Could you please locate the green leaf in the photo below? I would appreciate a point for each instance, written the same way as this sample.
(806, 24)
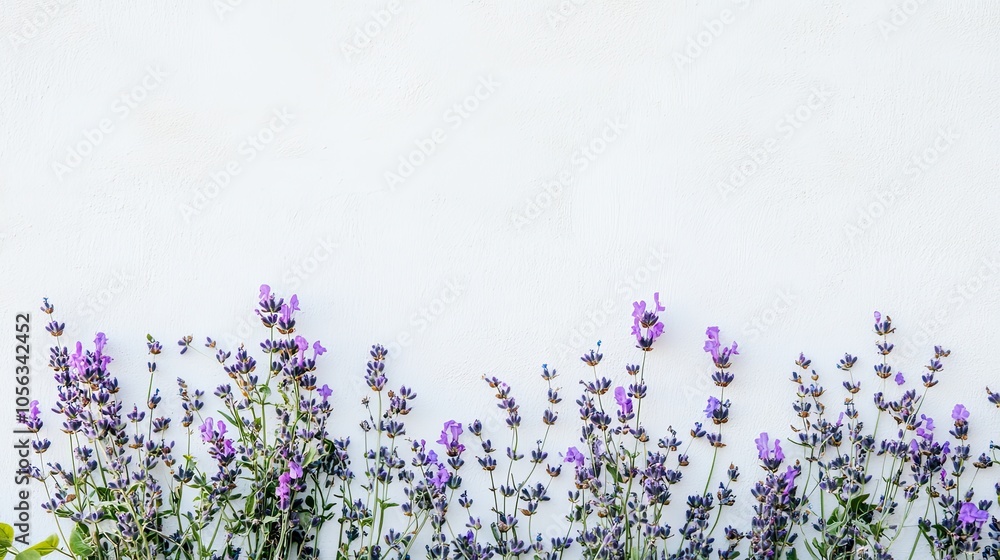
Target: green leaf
(79, 541)
(229, 417)
(815, 552)
(50, 544)
(614, 473)
(6, 536)
(387, 505)
(310, 456)
(28, 555)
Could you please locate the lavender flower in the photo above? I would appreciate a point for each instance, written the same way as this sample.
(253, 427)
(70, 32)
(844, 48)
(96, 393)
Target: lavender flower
(574, 456)
(32, 421)
(770, 458)
(449, 438)
(713, 406)
(720, 354)
(646, 324)
(960, 413)
(283, 491)
(778, 511)
(970, 514)
(325, 392)
(624, 402)
(441, 477)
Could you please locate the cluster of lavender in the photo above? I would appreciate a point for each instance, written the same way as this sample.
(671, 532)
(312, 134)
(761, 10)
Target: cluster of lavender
(622, 481)
(276, 475)
(868, 493)
(112, 484)
(515, 488)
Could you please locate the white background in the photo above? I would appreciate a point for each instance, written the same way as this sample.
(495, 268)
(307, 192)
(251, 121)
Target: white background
(780, 170)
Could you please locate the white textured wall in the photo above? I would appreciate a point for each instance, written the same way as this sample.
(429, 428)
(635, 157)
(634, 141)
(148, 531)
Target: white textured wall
(789, 165)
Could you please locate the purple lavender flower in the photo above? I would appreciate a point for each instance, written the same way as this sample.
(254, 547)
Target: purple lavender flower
(210, 430)
(713, 338)
(720, 354)
(318, 350)
(713, 406)
(573, 455)
(790, 475)
(441, 477)
(325, 391)
(32, 421)
(770, 458)
(638, 310)
(993, 397)
(284, 490)
(970, 514)
(449, 438)
(624, 402)
(294, 470)
(926, 429)
(960, 413)
(899, 378)
(286, 323)
(100, 341)
(265, 292)
(646, 325)
(302, 344)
